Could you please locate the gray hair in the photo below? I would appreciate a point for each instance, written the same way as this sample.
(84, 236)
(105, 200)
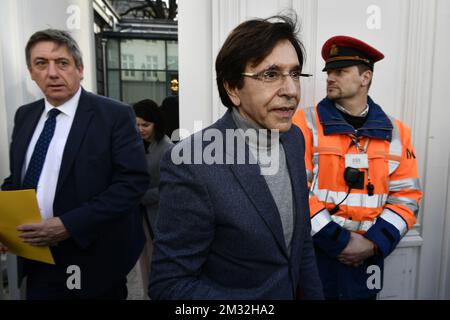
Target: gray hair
(61, 38)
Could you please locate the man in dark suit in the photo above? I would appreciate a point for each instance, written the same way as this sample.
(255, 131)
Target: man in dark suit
(83, 155)
(233, 220)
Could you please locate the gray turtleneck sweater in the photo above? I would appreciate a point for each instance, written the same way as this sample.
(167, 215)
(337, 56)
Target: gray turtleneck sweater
(279, 183)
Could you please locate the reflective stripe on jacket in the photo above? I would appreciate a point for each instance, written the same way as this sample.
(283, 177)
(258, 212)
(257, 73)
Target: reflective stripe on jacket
(384, 217)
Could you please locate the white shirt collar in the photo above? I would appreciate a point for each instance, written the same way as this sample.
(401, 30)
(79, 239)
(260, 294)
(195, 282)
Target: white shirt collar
(69, 107)
(362, 114)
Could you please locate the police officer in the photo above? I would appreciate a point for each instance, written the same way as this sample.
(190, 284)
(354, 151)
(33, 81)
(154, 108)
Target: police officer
(362, 174)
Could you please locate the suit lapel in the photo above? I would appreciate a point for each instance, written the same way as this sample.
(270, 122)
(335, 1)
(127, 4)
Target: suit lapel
(80, 124)
(255, 186)
(23, 138)
(298, 178)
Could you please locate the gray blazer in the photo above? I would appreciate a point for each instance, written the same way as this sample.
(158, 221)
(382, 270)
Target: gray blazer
(151, 198)
(219, 234)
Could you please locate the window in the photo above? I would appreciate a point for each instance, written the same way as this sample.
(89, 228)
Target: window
(172, 55)
(128, 63)
(152, 63)
(144, 70)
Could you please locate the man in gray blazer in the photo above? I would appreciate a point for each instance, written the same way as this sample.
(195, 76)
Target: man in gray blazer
(234, 216)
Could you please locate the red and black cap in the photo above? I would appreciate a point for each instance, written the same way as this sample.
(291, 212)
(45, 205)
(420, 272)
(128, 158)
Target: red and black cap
(343, 51)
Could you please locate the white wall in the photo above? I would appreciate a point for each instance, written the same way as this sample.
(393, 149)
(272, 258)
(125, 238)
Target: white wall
(195, 63)
(4, 163)
(410, 83)
(434, 265)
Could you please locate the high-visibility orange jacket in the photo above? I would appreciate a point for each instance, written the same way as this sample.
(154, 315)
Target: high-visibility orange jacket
(383, 217)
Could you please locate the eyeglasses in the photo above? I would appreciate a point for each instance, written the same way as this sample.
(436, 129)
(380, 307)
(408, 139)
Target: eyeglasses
(274, 76)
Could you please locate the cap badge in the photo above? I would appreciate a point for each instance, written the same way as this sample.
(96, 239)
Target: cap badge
(334, 51)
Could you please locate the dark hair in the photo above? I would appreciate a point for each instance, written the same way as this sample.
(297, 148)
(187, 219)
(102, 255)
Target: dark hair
(251, 42)
(149, 111)
(61, 38)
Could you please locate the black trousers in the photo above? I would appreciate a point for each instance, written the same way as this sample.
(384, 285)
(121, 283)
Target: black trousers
(49, 282)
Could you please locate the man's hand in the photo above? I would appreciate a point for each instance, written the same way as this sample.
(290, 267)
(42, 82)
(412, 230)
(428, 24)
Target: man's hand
(48, 232)
(357, 250)
(3, 248)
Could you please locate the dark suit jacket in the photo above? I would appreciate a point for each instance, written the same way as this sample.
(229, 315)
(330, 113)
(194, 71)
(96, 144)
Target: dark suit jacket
(102, 177)
(219, 233)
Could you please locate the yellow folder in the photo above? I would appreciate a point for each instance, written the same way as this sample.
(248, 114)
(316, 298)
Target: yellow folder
(16, 208)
